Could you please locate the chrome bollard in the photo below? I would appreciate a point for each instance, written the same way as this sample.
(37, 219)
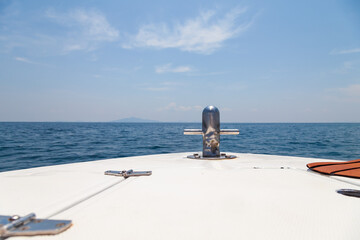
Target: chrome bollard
(211, 132)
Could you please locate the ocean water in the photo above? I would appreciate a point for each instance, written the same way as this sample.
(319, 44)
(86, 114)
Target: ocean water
(26, 145)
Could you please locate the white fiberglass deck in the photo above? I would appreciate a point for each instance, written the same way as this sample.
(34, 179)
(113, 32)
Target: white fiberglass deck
(250, 197)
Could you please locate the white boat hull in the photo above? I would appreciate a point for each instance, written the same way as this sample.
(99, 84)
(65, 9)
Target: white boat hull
(250, 197)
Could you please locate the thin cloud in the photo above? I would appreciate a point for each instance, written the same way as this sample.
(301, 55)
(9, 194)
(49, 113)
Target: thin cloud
(351, 91)
(87, 29)
(173, 106)
(346, 94)
(346, 67)
(207, 74)
(169, 68)
(203, 34)
(170, 83)
(25, 60)
(164, 86)
(348, 51)
(157, 89)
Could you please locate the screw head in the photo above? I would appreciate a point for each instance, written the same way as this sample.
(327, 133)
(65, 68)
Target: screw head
(14, 217)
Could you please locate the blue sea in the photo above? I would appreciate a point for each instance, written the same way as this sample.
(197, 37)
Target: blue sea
(26, 145)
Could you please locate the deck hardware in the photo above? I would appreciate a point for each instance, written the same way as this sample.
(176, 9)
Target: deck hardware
(129, 173)
(349, 192)
(13, 218)
(29, 225)
(222, 156)
(211, 134)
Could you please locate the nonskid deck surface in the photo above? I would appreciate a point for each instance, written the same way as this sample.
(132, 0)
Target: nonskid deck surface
(250, 197)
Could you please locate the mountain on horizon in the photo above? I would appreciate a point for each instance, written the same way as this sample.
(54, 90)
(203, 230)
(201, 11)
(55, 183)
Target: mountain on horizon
(134, 119)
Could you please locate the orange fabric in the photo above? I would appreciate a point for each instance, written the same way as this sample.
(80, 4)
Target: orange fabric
(329, 169)
(354, 173)
(318, 164)
(346, 169)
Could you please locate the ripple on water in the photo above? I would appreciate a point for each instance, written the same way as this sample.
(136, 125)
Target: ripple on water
(24, 145)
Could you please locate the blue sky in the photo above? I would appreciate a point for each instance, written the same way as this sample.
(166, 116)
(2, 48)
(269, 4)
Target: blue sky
(257, 61)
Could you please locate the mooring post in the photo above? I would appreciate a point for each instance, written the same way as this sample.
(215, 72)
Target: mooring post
(211, 132)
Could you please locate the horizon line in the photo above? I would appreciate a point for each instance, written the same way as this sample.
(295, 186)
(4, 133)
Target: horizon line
(156, 122)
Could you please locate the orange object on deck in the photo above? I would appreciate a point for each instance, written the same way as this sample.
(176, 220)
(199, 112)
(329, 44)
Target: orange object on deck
(345, 169)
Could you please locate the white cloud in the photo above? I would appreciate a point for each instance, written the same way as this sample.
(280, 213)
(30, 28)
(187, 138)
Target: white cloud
(175, 107)
(170, 83)
(207, 74)
(351, 91)
(75, 47)
(157, 89)
(87, 29)
(74, 30)
(26, 60)
(169, 68)
(344, 95)
(348, 51)
(22, 59)
(346, 67)
(203, 34)
(164, 86)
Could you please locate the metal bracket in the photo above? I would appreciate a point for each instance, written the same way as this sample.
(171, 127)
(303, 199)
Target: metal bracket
(29, 225)
(129, 173)
(221, 157)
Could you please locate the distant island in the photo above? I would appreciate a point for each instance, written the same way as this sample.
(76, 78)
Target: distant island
(135, 120)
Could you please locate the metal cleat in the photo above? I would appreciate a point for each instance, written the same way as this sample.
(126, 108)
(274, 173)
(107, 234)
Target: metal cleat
(29, 225)
(129, 173)
(211, 134)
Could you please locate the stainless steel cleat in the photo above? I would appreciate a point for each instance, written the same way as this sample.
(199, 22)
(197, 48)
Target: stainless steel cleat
(211, 134)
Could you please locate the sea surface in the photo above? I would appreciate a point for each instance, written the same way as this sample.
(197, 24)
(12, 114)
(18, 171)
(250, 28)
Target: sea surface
(26, 145)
